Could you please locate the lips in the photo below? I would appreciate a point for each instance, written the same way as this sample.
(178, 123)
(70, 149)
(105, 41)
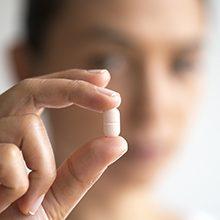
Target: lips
(145, 151)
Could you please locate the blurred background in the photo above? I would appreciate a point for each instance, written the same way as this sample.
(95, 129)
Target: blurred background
(195, 175)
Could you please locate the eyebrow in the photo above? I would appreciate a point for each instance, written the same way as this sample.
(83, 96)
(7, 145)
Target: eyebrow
(105, 34)
(192, 46)
(100, 33)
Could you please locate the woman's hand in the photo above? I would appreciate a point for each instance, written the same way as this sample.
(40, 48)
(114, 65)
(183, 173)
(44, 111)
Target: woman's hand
(46, 192)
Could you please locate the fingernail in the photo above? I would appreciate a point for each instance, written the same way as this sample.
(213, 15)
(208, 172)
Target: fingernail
(36, 205)
(124, 147)
(4, 208)
(98, 71)
(109, 92)
(123, 150)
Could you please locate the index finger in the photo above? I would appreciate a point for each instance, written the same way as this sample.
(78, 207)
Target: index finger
(31, 95)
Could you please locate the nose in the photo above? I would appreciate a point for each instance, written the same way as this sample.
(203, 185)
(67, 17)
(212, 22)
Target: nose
(151, 93)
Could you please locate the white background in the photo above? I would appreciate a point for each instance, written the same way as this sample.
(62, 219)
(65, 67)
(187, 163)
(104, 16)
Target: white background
(194, 181)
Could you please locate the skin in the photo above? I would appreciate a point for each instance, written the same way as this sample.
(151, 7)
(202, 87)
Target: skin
(152, 50)
(22, 131)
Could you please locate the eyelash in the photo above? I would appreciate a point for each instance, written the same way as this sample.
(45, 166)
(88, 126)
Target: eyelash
(115, 62)
(183, 65)
(107, 61)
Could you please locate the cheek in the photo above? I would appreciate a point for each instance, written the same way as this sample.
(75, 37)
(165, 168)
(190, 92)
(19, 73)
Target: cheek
(183, 107)
(188, 94)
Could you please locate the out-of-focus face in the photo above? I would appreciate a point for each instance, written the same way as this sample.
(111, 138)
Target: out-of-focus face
(152, 49)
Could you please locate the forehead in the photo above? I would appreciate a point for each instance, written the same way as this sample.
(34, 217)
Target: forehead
(151, 19)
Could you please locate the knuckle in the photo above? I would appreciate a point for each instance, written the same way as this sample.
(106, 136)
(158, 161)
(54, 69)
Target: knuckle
(26, 84)
(78, 84)
(75, 84)
(84, 180)
(50, 175)
(56, 214)
(21, 187)
(11, 151)
(77, 177)
(46, 174)
(30, 120)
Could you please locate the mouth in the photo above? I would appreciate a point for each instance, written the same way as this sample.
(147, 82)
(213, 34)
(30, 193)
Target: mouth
(145, 151)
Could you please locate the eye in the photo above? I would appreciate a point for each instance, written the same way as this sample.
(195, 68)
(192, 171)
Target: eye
(183, 65)
(112, 62)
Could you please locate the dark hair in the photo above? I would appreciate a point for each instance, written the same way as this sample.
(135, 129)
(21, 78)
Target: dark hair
(39, 14)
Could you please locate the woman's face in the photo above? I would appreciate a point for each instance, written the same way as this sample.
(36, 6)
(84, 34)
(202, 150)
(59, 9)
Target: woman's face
(152, 49)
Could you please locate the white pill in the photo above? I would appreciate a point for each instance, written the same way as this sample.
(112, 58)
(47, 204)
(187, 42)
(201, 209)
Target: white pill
(111, 122)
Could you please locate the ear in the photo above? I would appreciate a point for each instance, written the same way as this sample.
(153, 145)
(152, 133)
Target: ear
(21, 57)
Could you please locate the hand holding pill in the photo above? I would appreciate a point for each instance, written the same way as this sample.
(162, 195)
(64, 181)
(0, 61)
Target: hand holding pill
(25, 134)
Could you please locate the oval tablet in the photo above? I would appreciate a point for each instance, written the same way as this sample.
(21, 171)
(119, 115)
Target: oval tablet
(111, 122)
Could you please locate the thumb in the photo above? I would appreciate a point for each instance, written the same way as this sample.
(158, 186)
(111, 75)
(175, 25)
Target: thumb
(79, 172)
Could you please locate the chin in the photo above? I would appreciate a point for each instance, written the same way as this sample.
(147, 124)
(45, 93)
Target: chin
(130, 172)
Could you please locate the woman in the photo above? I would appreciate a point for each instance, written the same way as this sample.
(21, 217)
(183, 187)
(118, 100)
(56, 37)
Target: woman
(152, 49)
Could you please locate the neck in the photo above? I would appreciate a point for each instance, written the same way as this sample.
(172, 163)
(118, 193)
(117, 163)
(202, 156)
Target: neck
(107, 202)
